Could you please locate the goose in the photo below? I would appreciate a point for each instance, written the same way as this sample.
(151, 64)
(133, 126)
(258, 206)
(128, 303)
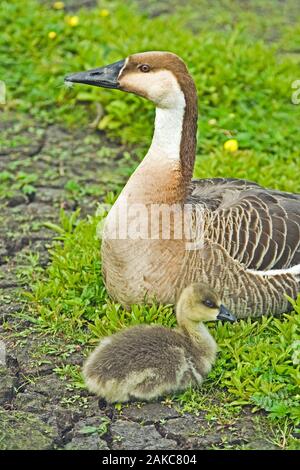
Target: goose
(241, 239)
(145, 362)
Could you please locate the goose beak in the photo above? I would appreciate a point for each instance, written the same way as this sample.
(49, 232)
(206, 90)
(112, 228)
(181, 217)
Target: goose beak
(225, 315)
(105, 77)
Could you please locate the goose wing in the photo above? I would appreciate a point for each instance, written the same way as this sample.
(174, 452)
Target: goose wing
(258, 227)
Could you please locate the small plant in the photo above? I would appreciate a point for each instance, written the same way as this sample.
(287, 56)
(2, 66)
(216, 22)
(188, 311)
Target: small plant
(71, 374)
(279, 405)
(101, 430)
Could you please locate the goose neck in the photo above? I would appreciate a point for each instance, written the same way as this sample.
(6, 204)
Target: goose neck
(167, 135)
(197, 332)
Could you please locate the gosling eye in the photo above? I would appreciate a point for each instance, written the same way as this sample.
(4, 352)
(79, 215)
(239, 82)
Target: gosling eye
(144, 68)
(209, 303)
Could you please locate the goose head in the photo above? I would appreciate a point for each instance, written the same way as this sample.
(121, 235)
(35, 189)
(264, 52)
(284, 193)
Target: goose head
(161, 77)
(199, 303)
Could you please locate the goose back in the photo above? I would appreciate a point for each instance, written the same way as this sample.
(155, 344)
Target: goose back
(260, 228)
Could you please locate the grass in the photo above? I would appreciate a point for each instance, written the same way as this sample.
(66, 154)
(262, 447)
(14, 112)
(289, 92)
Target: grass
(244, 64)
(244, 85)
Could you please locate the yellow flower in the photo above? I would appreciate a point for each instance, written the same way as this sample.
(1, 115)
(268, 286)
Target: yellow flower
(52, 35)
(58, 5)
(72, 20)
(231, 145)
(104, 13)
(212, 122)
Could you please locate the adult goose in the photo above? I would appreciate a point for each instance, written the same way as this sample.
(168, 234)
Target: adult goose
(247, 237)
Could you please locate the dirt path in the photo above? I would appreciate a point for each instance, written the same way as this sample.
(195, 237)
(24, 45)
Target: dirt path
(38, 409)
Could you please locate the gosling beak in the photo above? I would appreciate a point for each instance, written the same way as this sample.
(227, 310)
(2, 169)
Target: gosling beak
(225, 315)
(106, 77)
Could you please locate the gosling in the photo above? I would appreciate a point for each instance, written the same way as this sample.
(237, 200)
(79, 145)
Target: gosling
(146, 362)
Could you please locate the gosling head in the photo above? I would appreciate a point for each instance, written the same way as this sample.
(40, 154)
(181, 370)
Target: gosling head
(161, 77)
(199, 303)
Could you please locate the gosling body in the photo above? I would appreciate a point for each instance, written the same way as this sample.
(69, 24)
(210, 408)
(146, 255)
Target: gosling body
(145, 362)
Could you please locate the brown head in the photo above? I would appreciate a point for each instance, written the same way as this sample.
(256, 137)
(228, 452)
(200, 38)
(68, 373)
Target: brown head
(199, 303)
(158, 76)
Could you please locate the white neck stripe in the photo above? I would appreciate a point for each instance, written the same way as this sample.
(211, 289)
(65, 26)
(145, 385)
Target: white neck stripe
(167, 133)
(295, 270)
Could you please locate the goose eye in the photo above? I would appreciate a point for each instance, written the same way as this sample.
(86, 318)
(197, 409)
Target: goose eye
(144, 68)
(209, 303)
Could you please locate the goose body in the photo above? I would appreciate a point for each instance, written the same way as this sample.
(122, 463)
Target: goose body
(248, 237)
(145, 362)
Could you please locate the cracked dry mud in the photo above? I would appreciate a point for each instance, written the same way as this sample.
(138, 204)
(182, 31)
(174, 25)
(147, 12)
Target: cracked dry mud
(37, 408)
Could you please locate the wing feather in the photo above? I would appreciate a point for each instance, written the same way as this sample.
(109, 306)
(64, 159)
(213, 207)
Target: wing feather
(258, 227)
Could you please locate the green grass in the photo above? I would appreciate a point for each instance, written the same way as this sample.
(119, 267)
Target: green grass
(244, 84)
(244, 64)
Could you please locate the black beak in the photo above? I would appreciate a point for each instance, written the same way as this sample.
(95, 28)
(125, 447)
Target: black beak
(225, 315)
(106, 77)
